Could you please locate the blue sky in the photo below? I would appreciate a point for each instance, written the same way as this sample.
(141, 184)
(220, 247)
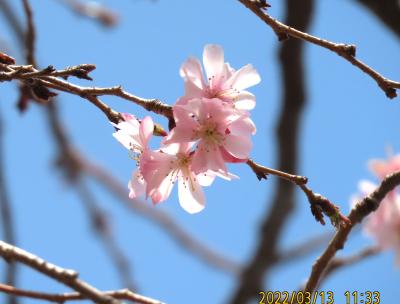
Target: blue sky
(347, 121)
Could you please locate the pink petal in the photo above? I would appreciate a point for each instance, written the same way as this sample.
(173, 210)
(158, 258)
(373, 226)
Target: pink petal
(213, 60)
(245, 101)
(136, 185)
(244, 78)
(243, 126)
(204, 160)
(179, 135)
(146, 130)
(205, 179)
(191, 71)
(238, 146)
(163, 191)
(193, 91)
(191, 195)
(127, 141)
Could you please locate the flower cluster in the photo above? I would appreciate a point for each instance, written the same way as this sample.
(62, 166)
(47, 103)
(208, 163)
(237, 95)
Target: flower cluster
(213, 127)
(384, 224)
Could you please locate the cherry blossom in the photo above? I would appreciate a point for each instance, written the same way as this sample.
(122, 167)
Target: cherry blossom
(381, 167)
(223, 81)
(220, 132)
(162, 168)
(384, 224)
(134, 136)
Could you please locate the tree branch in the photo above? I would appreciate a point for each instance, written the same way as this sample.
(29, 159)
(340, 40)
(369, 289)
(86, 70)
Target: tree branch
(66, 276)
(369, 204)
(123, 294)
(388, 11)
(347, 51)
(47, 78)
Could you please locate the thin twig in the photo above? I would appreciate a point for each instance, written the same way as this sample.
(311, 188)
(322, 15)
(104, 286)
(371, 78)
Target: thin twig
(42, 78)
(66, 276)
(262, 172)
(347, 51)
(123, 294)
(369, 204)
(319, 204)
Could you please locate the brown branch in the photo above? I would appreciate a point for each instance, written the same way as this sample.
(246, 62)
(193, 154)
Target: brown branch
(320, 205)
(347, 51)
(262, 172)
(66, 276)
(299, 14)
(388, 11)
(93, 10)
(123, 294)
(47, 78)
(369, 204)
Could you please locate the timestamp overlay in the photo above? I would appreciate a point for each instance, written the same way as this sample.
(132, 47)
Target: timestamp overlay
(319, 297)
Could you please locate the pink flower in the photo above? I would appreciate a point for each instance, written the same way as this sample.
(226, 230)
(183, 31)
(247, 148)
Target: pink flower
(381, 167)
(223, 81)
(384, 224)
(221, 133)
(161, 169)
(134, 136)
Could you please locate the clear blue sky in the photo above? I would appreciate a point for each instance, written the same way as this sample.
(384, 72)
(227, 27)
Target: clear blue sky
(347, 121)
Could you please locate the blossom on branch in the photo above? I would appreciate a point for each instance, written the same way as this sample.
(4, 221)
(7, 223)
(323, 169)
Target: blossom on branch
(212, 128)
(220, 133)
(134, 136)
(223, 81)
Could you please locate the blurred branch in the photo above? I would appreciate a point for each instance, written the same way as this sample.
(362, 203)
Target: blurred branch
(347, 51)
(160, 218)
(303, 249)
(11, 19)
(103, 230)
(93, 10)
(388, 11)
(66, 276)
(30, 34)
(363, 208)
(123, 294)
(338, 263)
(299, 14)
(6, 217)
